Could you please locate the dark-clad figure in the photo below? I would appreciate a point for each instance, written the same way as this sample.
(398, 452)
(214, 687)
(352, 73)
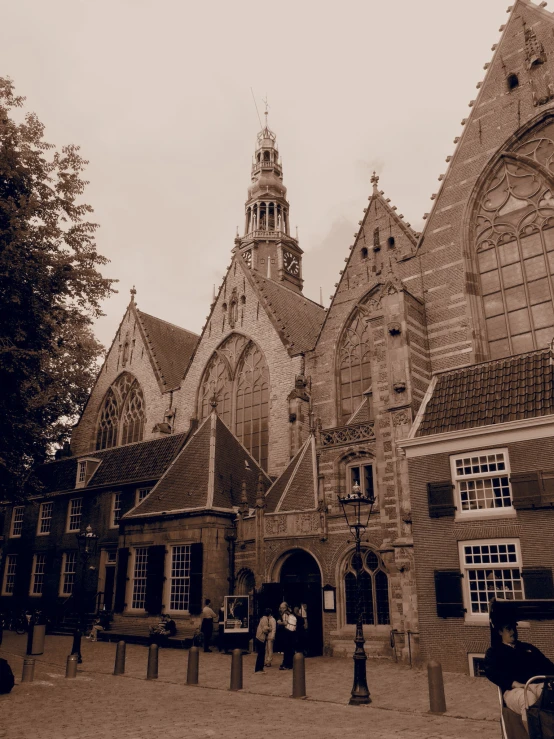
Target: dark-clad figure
(510, 663)
(207, 626)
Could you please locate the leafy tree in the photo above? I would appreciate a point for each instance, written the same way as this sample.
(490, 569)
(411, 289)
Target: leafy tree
(50, 294)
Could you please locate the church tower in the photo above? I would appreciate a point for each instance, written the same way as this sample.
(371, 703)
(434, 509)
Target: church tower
(266, 245)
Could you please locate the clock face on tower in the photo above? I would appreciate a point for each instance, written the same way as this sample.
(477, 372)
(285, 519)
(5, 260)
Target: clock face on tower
(291, 263)
(247, 256)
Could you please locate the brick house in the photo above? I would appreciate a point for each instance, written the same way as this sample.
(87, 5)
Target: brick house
(280, 405)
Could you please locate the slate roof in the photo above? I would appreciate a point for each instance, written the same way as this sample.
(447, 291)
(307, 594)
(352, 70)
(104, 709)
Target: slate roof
(296, 489)
(208, 472)
(171, 348)
(299, 319)
(362, 413)
(498, 391)
(145, 460)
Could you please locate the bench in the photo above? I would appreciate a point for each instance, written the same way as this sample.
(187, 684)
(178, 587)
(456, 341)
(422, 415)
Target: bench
(186, 636)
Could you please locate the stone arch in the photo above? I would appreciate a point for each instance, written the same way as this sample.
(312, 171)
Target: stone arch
(245, 582)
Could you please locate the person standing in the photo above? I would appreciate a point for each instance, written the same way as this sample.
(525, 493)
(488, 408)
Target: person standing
(300, 634)
(207, 626)
(262, 632)
(288, 621)
(270, 637)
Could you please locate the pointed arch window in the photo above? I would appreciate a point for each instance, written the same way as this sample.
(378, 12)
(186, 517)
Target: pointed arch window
(514, 247)
(122, 416)
(374, 589)
(237, 377)
(354, 367)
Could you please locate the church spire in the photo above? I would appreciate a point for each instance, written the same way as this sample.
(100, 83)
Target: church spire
(266, 244)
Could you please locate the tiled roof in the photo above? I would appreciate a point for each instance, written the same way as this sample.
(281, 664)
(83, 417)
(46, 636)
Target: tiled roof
(186, 483)
(296, 489)
(502, 390)
(145, 460)
(171, 347)
(298, 318)
(362, 414)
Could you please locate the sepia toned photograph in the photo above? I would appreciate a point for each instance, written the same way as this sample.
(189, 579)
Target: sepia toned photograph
(277, 369)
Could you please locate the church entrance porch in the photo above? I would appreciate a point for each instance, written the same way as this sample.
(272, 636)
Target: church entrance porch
(300, 586)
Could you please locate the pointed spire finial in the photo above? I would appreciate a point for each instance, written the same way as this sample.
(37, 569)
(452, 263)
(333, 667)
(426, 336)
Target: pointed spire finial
(213, 402)
(133, 293)
(374, 181)
(260, 501)
(266, 111)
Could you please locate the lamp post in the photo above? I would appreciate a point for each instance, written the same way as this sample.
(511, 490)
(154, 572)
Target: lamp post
(357, 507)
(87, 542)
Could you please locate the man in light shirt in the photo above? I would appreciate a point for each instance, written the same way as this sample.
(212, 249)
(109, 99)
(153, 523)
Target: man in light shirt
(288, 622)
(270, 638)
(207, 626)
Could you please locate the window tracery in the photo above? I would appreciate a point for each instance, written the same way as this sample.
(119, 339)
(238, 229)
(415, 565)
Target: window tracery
(122, 414)
(106, 435)
(374, 589)
(237, 377)
(354, 367)
(133, 416)
(514, 243)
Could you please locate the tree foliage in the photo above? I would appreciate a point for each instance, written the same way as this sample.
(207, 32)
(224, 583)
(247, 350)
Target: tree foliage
(50, 293)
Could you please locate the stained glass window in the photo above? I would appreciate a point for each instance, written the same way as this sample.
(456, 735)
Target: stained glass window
(374, 589)
(133, 416)
(106, 435)
(122, 416)
(354, 367)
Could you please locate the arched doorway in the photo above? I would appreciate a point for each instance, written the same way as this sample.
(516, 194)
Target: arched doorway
(299, 585)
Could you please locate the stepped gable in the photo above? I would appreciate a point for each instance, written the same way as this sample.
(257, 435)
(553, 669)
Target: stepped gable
(503, 390)
(208, 473)
(171, 348)
(296, 489)
(139, 462)
(297, 318)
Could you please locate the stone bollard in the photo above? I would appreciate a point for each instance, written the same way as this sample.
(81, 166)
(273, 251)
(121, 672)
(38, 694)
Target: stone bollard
(236, 670)
(71, 668)
(298, 676)
(192, 666)
(437, 701)
(152, 670)
(119, 667)
(28, 671)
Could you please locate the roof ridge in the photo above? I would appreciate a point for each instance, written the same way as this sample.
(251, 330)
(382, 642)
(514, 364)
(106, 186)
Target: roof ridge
(113, 448)
(169, 323)
(291, 291)
(498, 360)
(300, 454)
(258, 465)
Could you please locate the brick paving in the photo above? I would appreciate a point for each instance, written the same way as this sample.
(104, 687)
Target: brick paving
(97, 704)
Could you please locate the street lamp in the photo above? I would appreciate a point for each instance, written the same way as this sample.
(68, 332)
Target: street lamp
(87, 543)
(357, 507)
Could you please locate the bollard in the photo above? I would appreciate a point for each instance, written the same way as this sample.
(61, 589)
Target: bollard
(28, 671)
(298, 676)
(76, 648)
(39, 632)
(71, 668)
(192, 666)
(437, 701)
(152, 670)
(119, 667)
(236, 670)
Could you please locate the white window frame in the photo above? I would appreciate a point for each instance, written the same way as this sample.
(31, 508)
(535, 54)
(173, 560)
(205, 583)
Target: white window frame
(19, 513)
(361, 462)
(503, 511)
(10, 570)
(483, 618)
(131, 593)
(115, 508)
(69, 530)
(64, 572)
(42, 518)
(470, 657)
(86, 467)
(169, 579)
(34, 575)
(138, 499)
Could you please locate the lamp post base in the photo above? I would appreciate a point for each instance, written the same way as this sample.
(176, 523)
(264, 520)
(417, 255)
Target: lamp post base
(360, 692)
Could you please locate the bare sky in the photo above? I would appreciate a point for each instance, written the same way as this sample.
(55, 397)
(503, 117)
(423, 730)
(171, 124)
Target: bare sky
(157, 94)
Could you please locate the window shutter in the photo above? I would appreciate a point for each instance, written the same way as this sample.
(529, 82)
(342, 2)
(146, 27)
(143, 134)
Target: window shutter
(121, 579)
(441, 499)
(538, 583)
(195, 592)
(155, 579)
(23, 574)
(51, 579)
(526, 490)
(547, 477)
(448, 591)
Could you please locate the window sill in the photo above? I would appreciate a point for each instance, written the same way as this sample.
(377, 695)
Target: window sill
(469, 621)
(480, 515)
(349, 630)
(43, 533)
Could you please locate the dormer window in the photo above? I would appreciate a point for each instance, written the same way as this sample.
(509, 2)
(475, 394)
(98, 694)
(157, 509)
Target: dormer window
(85, 470)
(512, 81)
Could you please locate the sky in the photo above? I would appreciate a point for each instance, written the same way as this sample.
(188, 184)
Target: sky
(158, 95)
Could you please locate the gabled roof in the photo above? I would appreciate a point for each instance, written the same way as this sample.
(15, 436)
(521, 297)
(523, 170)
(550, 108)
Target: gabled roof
(296, 489)
(170, 347)
(142, 461)
(502, 390)
(208, 473)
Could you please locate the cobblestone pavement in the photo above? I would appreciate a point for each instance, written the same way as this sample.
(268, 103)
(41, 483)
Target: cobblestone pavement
(97, 704)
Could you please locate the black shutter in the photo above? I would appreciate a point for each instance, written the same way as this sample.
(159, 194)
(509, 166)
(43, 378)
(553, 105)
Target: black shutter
(155, 579)
(195, 591)
(547, 487)
(448, 590)
(51, 580)
(538, 583)
(526, 490)
(441, 499)
(121, 579)
(23, 574)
